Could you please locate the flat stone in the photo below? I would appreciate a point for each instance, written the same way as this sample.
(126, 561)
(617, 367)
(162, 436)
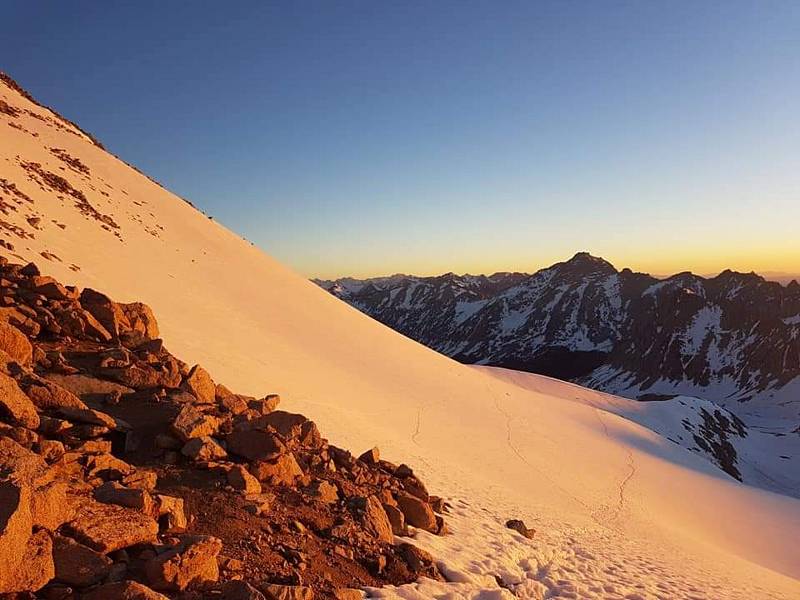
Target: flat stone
(108, 527)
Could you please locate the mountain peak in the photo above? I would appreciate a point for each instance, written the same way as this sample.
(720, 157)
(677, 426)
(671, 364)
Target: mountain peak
(583, 262)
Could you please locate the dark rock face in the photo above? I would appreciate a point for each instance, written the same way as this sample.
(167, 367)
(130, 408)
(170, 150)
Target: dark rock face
(123, 470)
(613, 330)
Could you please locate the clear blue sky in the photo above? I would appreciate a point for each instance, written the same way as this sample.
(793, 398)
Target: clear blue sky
(374, 137)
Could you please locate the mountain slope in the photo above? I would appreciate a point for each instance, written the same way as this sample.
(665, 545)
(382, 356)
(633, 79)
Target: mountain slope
(592, 483)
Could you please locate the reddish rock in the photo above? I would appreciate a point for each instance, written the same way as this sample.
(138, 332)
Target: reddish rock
(287, 592)
(255, 444)
(192, 423)
(171, 514)
(15, 405)
(203, 449)
(200, 385)
(284, 470)
(14, 343)
(239, 590)
(417, 513)
(123, 590)
(192, 562)
(112, 492)
(107, 527)
(519, 527)
(78, 565)
(240, 479)
(371, 457)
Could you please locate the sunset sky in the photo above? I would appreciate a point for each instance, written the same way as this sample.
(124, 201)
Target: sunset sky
(359, 138)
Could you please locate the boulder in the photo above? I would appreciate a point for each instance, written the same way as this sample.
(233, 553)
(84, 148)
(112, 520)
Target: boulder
(265, 405)
(200, 385)
(239, 590)
(292, 426)
(36, 567)
(373, 517)
(50, 506)
(203, 449)
(88, 416)
(287, 592)
(48, 395)
(192, 423)
(396, 519)
(143, 325)
(418, 560)
(108, 527)
(112, 492)
(284, 470)
(78, 565)
(123, 590)
(13, 316)
(15, 531)
(193, 561)
(50, 450)
(255, 444)
(171, 514)
(371, 457)
(240, 479)
(519, 527)
(143, 376)
(141, 479)
(325, 492)
(348, 594)
(107, 466)
(106, 311)
(14, 343)
(417, 513)
(15, 405)
(86, 386)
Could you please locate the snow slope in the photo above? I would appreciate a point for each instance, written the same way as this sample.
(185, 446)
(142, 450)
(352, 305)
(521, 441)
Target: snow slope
(620, 511)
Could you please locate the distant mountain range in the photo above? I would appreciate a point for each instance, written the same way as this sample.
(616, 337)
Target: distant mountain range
(733, 338)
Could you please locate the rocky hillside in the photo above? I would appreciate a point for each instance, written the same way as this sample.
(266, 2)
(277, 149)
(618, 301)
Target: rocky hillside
(125, 473)
(731, 338)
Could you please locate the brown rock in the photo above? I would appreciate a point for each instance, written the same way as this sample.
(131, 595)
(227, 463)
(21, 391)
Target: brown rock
(255, 444)
(396, 519)
(15, 531)
(200, 385)
(123, 590)
(203, 449)
(15, 405)
(107, 466)
(14, 343)
(50, 507)
(88, 416)
(191, 423)
(13, 316)
(292, 427)
(324, 491)
(193, 561)
(107, 527)
(171, 514)
(284, 470)
(142, 479)
(348, 594)
(287, 592)
(371, 457)
(36, 567)
(106, 311)
(241, 479)
(87, 386)
(239, 590)
(418, 560)
(519, 527)
(48, 395)
(112, 492)
(142, 320)
(417, 513)
(51, 450)
(76, 564)
(373, 517)
(265, 405)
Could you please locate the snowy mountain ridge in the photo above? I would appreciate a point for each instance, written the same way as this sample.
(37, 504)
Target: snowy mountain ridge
(734, 338)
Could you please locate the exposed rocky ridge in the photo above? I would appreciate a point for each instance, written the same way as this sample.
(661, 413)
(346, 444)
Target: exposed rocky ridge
(731, 337)
(124, 473)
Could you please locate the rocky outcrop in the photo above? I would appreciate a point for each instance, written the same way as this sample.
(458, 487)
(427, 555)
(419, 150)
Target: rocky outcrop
(126, 474)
